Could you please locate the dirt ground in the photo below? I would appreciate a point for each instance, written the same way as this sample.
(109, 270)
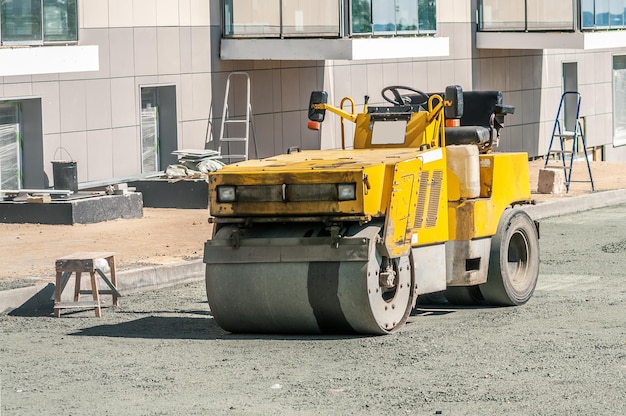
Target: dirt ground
(28, 251)
(162, 236)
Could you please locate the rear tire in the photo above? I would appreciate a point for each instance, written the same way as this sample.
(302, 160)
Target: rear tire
(514, 260)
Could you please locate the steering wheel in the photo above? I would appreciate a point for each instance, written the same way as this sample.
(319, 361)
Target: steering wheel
(404, 99)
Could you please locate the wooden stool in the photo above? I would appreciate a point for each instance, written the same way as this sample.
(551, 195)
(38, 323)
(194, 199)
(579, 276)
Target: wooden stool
(83, 262)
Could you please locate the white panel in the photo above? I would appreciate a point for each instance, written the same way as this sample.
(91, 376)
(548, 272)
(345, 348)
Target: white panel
(323, 49)
(542, 40)
(384, 48)
(48, 60)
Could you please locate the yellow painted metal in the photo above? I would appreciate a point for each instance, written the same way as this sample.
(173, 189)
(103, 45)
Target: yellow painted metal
(418, 208)
(352, 112)
(504, 181)
(430, 223)
(402, 207)
(371, 170)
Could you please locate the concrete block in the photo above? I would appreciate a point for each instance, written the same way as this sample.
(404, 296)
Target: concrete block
(551, 181)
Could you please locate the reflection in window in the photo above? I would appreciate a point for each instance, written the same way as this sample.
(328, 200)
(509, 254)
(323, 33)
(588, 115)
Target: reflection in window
(251, 18)
(602, 13)
(302, 18)
(59, 20)
(541, 15)
(503, 15)
(587, 11)
(549, 15)
(10, 149)
(361, 16)
(274, 18)
(393, 17)
(427, 15)
(619, 98)
(21, 21)
(305, 17)
(616, 13)
(38, 21)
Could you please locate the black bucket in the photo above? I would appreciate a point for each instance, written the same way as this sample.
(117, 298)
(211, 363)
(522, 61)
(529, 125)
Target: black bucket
(65, 176)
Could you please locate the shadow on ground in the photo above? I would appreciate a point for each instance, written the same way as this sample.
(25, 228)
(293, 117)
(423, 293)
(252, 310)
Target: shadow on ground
(190, 328)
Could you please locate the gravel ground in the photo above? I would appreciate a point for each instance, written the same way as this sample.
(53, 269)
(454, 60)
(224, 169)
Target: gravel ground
(160, 353)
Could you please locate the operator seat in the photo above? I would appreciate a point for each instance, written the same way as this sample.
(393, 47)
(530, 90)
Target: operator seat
(482, 119)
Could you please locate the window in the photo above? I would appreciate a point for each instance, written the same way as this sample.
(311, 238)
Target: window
(159, 124)
(521, 15)
(393, 17)
(10, 149)
(619, 98)
(275, 18)
(33, 22)
(325, 18)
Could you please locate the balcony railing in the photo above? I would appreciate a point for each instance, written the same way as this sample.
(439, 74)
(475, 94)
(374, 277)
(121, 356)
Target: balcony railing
(553, 15)
(327, 18)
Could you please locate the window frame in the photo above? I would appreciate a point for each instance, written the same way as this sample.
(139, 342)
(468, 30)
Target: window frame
(618, 140)
(73, 31)
(346, 22)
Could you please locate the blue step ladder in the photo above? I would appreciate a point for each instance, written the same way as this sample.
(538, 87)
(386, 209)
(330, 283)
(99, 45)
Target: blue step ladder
(558, 148)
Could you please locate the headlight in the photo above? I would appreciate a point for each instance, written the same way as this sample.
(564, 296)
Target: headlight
(346, 191)
(226, 193)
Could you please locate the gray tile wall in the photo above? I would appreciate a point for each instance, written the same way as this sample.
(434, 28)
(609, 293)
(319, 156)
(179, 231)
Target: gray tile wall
(536, 87)
(93, 117)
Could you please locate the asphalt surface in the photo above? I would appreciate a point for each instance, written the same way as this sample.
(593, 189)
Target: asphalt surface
(162, 353)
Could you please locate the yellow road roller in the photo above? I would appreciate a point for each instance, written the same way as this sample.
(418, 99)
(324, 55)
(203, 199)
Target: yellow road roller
(345, 240)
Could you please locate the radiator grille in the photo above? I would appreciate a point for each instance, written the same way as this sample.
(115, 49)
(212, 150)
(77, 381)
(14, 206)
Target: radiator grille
(433, 201)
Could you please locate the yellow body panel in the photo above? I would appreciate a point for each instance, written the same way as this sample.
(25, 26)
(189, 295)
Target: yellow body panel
(418, 214)
(371, 169)
(504, 180)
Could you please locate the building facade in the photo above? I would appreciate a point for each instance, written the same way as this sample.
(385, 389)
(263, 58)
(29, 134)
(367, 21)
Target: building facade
(117, 85)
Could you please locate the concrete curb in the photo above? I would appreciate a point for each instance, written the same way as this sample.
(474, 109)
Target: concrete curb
(568, 205)
(158, 277)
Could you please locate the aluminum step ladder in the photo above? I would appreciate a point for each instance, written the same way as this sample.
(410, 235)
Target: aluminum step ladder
(558, 148)
(225, 140)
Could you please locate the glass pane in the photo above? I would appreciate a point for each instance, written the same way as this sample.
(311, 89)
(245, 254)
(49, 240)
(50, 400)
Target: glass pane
(251, 18)
(361, 16)
(587, 13)
(619, 98)
(427, 15)
(503, 15)
(384, 16)
(305, 17)
(616, 13)
(602, 13)
(9, 148)
(406, 16)
(20, 20)
(549, 15)
(59, 20)
(149, 130)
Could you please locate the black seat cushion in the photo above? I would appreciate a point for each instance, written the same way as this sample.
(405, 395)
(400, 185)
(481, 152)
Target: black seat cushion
(467, 135)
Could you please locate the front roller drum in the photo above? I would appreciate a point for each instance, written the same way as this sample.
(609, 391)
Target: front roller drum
(282, 281)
